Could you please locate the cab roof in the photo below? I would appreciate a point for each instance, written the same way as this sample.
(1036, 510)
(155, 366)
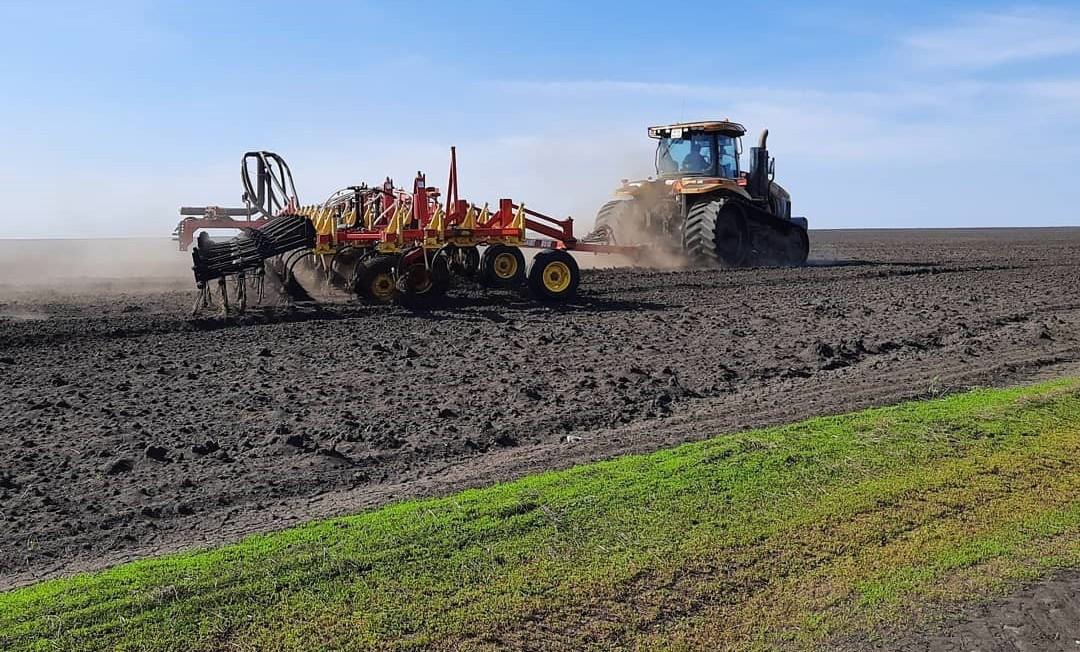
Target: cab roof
(726, 127)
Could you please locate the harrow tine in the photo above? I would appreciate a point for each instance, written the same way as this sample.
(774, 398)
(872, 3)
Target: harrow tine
(241, 293)
(223, 289)
(259, 286)
(203, 300)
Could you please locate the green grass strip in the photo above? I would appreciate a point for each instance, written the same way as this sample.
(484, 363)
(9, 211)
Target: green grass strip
(778, 537)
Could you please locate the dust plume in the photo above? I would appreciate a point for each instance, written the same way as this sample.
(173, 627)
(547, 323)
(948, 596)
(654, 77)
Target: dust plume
(98, 265)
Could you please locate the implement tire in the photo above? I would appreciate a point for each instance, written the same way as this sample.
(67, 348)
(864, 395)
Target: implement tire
(420, 280)
(554, 275)
(463, 261)
(502, 266)
(440, 275)
(375, 280)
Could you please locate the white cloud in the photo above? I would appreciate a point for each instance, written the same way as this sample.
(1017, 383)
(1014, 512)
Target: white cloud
(991, 39)
(897, 153)
(903, 122)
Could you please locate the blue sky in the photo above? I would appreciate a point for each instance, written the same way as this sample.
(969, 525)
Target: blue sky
(882, 114)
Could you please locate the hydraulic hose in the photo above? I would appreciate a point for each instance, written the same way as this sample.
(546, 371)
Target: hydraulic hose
(249, 249)
(273, 187)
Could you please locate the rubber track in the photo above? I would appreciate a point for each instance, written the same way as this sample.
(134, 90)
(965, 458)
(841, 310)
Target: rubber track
(608, 216)
(699, 231)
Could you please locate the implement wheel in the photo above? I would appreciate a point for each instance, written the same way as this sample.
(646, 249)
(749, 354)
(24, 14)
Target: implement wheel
(554, 275)
(421, 281)
(503, 266)
(374, 280)
(463, 261)
(343, 263)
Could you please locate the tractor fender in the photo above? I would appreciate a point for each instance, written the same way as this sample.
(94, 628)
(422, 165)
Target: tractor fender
(780, 200)
(707, 186)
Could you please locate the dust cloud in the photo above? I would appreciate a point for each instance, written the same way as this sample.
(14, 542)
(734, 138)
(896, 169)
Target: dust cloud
(93, 265)
(630, 158)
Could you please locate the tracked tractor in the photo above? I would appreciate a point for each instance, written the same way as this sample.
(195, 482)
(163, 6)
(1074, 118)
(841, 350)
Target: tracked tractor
(703, 204)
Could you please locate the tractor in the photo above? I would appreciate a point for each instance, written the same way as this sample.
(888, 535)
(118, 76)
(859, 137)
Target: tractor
(703, 204)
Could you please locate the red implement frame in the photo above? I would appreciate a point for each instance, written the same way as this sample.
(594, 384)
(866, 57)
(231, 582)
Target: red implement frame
(460, 223)
(559, 232)
(212, 217)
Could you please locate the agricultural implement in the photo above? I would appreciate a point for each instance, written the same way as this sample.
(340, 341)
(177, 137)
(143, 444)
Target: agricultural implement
(383, 243)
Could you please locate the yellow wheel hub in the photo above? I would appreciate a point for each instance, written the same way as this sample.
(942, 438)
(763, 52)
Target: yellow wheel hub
(506, 266)
(382, 287)
(557, 276)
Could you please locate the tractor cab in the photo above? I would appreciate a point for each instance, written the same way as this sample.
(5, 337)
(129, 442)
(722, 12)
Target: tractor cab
(698, 149)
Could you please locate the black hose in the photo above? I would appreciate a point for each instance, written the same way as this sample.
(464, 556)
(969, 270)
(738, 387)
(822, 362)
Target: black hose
(249, 249)
(274, 185)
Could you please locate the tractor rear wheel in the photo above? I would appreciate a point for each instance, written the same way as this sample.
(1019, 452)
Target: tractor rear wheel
(554, 275)
(374, 280)
(716, 232)
(788, 248)
(502, 266)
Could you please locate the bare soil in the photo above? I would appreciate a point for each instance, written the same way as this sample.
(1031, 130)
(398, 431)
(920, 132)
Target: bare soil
(128, 428)
(1039, 617)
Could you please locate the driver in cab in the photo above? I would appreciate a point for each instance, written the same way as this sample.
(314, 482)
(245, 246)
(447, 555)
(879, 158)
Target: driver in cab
(695, 161)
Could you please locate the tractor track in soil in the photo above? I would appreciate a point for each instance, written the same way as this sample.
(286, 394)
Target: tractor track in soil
(131, 429)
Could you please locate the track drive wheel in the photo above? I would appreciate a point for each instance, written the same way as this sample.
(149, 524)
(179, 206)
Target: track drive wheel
(716, 232)
(800, 248)
(554, 275)
(502, 266)
(374, 279)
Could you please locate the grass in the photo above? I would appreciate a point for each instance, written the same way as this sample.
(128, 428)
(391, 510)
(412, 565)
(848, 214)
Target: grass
(783, 537)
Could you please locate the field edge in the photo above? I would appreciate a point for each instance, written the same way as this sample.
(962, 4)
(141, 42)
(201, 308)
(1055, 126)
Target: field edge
(788, 536)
